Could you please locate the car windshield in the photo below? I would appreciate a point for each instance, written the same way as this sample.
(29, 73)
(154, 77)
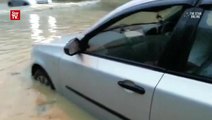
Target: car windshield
(148, 17)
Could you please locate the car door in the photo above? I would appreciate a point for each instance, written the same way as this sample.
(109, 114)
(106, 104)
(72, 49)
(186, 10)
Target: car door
(185, 94)
(119, 71)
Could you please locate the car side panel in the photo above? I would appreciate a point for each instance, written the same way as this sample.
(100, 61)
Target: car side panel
(97, 79)
(178, 98)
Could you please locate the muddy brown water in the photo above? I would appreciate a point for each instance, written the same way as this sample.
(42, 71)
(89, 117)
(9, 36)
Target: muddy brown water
(21, 98)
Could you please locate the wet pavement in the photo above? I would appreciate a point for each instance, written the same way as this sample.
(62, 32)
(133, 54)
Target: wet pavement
(21, 97)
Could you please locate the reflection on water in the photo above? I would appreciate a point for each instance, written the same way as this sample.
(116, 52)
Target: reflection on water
(52, 24)
(34, 20)
(20, 99)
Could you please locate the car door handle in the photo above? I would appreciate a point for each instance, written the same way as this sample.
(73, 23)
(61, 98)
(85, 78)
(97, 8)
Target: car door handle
(127, 84)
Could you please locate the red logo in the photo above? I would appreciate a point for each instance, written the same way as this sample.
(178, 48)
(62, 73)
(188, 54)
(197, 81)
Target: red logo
(15, 14)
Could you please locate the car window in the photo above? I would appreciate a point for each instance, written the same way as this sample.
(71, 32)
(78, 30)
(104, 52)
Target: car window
(149, 16)
(200, 58)
(140, 37)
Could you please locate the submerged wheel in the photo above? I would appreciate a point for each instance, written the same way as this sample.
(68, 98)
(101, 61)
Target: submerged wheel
(41, 76)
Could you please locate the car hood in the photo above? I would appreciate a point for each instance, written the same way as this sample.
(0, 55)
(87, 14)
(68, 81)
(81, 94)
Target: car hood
(51, 47)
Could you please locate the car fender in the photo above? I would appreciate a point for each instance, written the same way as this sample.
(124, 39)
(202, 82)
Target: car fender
(48, 58)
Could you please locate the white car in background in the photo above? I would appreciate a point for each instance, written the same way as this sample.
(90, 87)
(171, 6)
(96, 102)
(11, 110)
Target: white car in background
(12, 3)
(146, 60)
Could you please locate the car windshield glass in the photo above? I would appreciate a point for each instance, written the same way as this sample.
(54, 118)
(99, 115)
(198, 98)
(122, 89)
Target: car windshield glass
(148, 17)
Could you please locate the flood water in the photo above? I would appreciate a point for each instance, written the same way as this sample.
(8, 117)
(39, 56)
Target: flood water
(21, 98)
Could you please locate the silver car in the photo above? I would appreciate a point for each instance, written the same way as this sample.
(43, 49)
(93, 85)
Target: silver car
(146, 60)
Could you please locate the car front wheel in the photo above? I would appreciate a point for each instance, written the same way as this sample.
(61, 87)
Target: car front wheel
(41, 76)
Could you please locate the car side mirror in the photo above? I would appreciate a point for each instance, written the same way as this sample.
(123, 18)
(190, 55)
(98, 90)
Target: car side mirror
(72, 47)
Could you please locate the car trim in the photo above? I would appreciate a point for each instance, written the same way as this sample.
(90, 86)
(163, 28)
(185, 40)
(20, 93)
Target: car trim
(129, 62)
(98, 104)
(191, 76)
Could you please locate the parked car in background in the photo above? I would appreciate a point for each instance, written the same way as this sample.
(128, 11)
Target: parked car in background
(43, 1)
(12, 3)
(146, 60)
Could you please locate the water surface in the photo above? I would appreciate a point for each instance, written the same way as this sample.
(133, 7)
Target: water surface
(21, 98)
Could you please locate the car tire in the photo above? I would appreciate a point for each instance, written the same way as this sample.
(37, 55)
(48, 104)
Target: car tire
(41, 76)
